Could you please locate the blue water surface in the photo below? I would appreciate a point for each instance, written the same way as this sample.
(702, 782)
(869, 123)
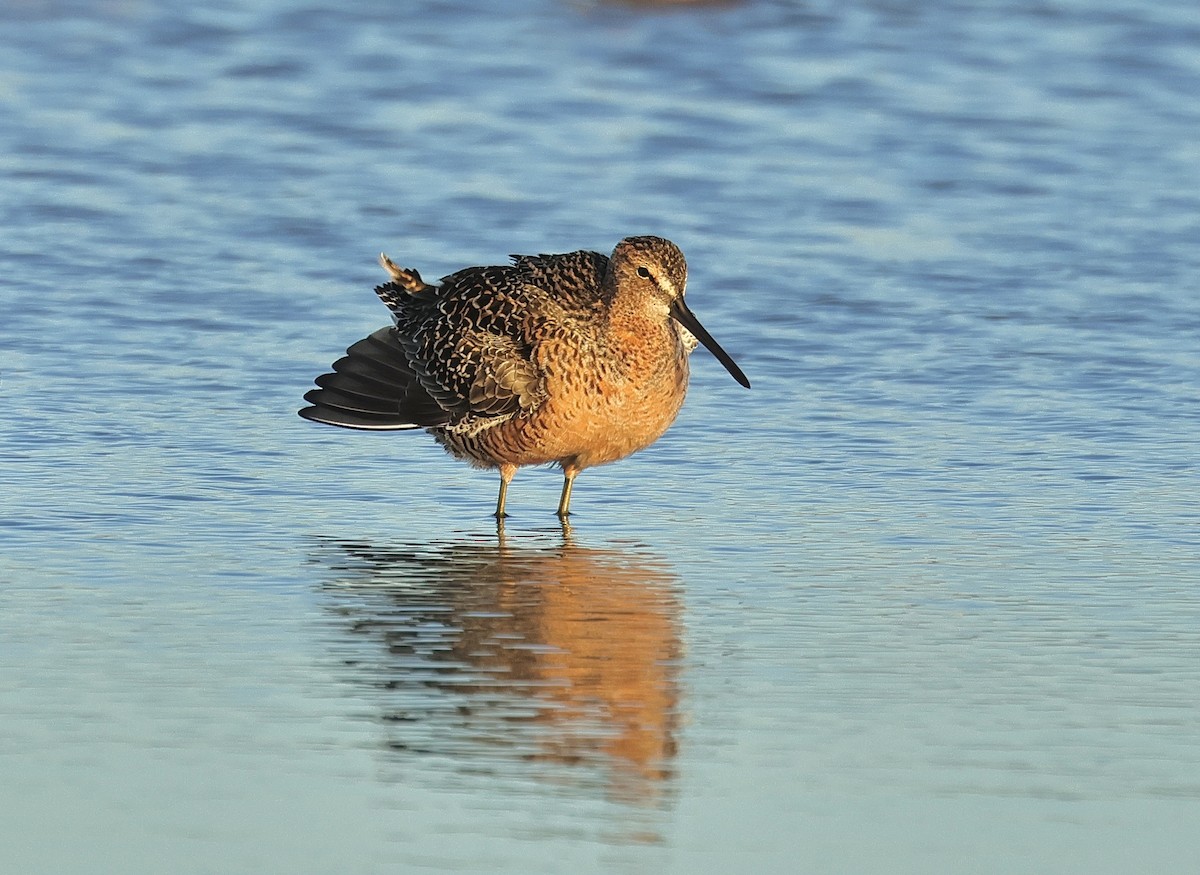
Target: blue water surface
(925, 599)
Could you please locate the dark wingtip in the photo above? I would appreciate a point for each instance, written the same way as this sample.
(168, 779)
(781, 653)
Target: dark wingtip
(373, 388)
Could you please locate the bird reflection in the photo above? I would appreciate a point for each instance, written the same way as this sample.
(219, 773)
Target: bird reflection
(559, 660)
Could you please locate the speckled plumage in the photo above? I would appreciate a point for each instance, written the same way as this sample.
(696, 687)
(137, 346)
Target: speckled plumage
(574, 359)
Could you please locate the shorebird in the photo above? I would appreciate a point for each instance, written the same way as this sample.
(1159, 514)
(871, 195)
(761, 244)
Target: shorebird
(575, 359)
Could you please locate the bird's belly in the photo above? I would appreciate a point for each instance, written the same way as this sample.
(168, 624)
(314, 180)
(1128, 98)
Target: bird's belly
(590, 425)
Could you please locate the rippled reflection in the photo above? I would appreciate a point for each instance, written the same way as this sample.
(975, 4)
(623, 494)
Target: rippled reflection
(559, 661)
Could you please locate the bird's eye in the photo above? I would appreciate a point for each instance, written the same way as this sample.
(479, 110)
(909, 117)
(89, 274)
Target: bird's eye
(643, 273)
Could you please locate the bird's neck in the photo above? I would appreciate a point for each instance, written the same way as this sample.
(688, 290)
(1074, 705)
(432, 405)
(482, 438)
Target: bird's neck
(648, 343)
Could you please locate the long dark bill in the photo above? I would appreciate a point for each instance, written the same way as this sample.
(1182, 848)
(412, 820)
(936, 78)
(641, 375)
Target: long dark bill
(681, 314)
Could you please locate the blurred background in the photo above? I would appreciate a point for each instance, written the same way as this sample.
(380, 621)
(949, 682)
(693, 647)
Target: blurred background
(923, 600)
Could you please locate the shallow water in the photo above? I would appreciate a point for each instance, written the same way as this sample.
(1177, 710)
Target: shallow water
(924, 599)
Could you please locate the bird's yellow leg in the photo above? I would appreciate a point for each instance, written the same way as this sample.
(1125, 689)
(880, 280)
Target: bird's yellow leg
(506, 476)
(564, 501)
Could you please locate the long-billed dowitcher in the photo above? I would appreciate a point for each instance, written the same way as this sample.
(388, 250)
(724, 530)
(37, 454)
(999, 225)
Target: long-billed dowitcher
(574, 359)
